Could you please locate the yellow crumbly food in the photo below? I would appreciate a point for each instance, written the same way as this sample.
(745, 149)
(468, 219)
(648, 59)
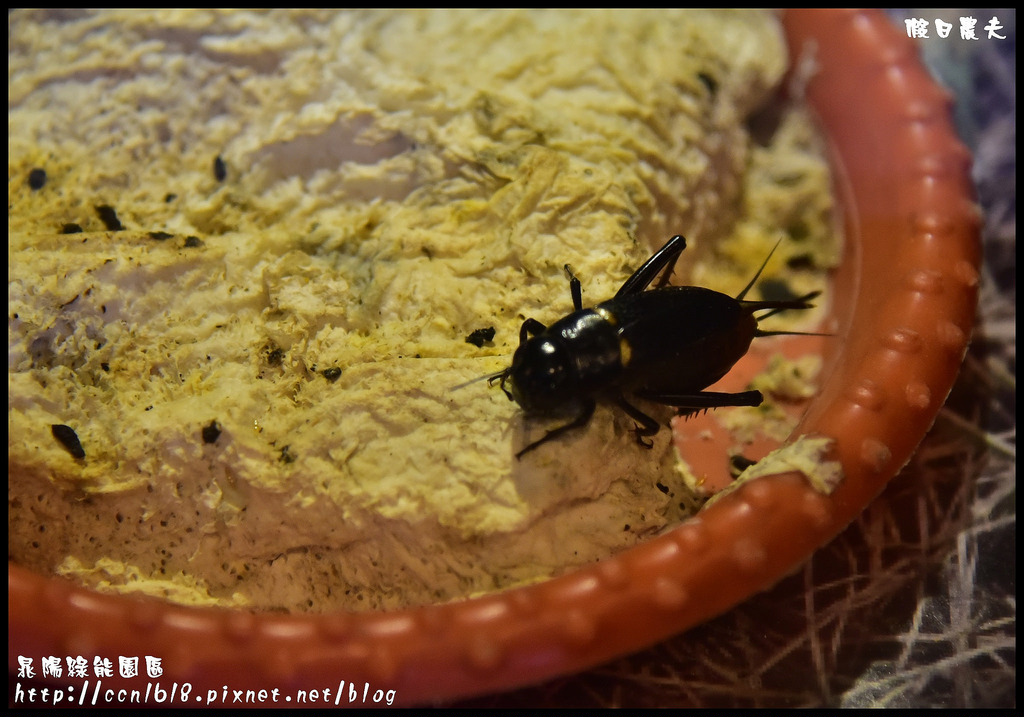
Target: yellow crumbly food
(246, 280)
(807, 455)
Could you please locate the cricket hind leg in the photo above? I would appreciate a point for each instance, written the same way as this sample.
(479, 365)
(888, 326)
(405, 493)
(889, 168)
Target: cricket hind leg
(691, 403)
(664, 257)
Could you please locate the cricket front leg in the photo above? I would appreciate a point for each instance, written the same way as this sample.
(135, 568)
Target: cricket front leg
(581, 419)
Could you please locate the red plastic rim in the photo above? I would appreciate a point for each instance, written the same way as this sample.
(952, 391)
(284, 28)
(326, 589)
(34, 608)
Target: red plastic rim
(906, 294)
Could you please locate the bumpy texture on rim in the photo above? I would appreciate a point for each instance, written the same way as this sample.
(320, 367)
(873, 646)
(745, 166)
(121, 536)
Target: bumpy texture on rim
(906, 302)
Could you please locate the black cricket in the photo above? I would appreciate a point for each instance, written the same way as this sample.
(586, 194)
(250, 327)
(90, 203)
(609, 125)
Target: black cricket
(663, 345)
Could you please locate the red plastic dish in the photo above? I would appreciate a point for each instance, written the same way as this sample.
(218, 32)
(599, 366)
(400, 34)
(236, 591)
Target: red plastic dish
(904, 307)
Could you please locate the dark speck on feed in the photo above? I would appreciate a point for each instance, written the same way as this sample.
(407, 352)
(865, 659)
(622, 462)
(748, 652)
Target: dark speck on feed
(37, 179)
